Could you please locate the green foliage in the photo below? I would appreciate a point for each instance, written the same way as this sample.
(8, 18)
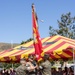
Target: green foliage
(70, 61)
(66, 26)
(52, 31)
(30, 39)
(9, 65)
(52, 63)
(22, 42)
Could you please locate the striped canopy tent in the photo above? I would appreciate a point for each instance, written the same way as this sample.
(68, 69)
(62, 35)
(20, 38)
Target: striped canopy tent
(58, 47)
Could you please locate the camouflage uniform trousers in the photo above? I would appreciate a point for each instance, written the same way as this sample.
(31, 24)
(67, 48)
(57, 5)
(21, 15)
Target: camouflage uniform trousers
(46, 68)
(21, 70)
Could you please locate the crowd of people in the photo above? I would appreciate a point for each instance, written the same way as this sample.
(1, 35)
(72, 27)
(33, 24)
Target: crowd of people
(31, 67)
(10, 71)
(66, 71)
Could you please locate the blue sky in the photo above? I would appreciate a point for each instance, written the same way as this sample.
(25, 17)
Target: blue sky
(16, 17)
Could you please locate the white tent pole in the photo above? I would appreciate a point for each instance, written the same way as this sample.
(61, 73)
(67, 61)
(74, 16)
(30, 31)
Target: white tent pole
(12, 65)
(11, 44)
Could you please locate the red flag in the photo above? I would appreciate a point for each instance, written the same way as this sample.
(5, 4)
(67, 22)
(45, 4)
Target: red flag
(36, 36)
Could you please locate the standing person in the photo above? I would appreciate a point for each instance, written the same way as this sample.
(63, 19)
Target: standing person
(22, 69)
(53, 71)
(66, 71)
(46, 65)
(60, 72)
(32, 61)
(71, 72)
(12, 71)
(3, 71)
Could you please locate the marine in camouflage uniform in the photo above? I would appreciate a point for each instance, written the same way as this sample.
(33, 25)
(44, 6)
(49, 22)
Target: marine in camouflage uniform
(46, 65)
(21, 70)
(33, 64)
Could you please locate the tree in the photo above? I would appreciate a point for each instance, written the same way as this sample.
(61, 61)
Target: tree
(22, 42)
(66, 26)
(30, 39)
(52, 31)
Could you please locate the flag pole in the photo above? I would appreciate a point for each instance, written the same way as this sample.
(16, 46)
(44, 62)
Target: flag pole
(36, 36)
